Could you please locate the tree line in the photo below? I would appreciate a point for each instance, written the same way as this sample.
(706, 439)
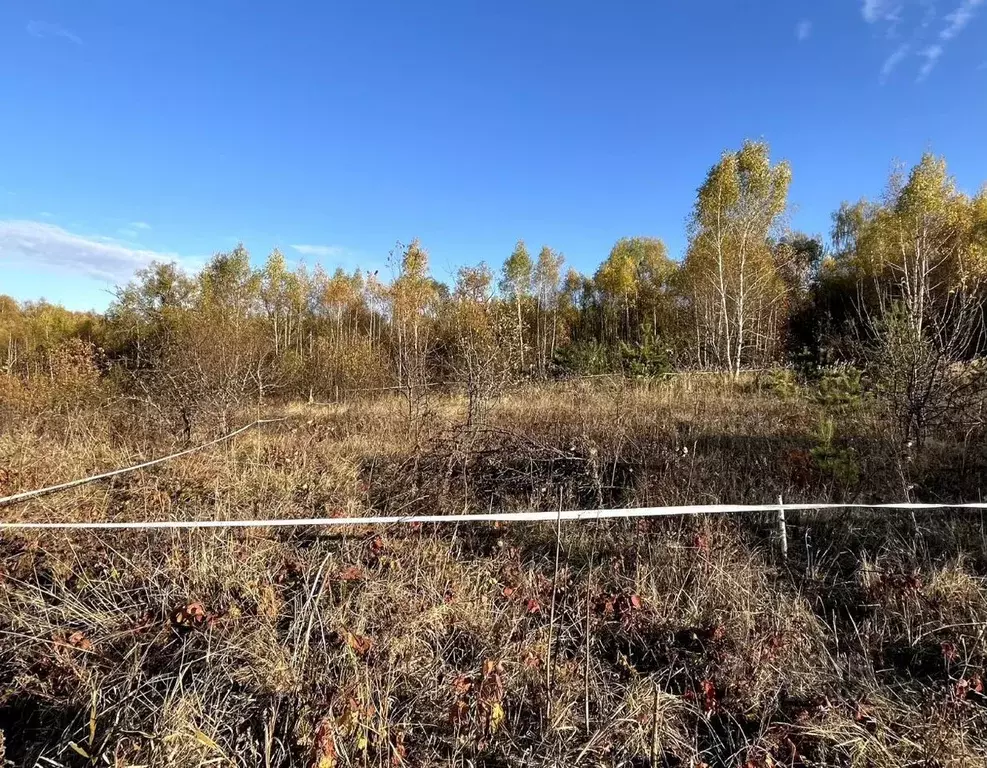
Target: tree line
(901, 285)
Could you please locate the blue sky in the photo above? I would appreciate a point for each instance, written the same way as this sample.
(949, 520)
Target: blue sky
(133, 131)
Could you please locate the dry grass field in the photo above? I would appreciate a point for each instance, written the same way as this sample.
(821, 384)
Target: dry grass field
(662, 642)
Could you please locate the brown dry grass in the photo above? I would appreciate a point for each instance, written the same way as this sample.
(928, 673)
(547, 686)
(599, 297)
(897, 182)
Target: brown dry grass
(676, 642)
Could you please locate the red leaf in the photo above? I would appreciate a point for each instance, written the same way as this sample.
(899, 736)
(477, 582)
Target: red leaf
(351, 573)
(400, 751)
(863, 714)
(709, 694)
(462, 684)
(964, 686)
(360, 644)
(192, 615)
(79, 640)
(509, 591)
(324, 748)
(635, 602)
(533, 606)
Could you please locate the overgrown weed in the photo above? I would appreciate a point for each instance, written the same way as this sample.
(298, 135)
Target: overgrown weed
(678, 641)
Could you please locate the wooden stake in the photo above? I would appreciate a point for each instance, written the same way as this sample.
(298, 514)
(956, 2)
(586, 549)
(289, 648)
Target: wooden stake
(589, 600)
(551, 615)
(782, 529)
(654, 729)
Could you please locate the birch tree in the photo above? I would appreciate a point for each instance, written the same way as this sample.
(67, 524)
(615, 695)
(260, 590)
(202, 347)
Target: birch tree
(412, 294)
(918, 259)
(548, 273)
(731, 277)
(515, 286)
(634, 282)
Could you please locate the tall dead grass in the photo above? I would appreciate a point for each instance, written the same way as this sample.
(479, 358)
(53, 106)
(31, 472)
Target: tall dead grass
(661, 642)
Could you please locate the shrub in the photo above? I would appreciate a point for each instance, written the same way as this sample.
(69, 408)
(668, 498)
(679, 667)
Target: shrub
(924, 374)
(839, 464)
(783, 383)
(643, 359)
(586, 358)
(646, 358)
(840, 387)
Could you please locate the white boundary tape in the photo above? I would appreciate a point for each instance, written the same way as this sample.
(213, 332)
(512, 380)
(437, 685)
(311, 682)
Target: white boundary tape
(25, 495)
(534, 516)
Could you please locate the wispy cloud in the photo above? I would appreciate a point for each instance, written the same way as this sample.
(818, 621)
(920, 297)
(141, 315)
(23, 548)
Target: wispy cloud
(886, 15)
(47, 246)
(803, 29)
(956, 21)
(913, 24)
(322, 251)
(139, 225)
(931, 54)
(959, 18)
(894, 60)
(44, 29)
(874, 11)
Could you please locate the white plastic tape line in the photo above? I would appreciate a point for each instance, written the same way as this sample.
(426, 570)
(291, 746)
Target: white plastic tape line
(82, 481)
(542, 516)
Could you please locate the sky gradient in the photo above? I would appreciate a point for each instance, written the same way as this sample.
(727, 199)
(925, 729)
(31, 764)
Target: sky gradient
(134, 131)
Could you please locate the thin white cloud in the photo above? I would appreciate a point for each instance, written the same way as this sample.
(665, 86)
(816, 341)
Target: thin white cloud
(47, 246)
(911, 23)
(322, 251)
(955, 23)
(893, 61)
(931, 54)
(874, 11)
(139, 225)
(958, 19)
(44, 29)
(803, 29)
